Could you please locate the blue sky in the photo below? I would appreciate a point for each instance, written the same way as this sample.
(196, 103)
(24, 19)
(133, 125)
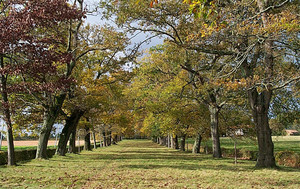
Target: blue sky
(96, 19)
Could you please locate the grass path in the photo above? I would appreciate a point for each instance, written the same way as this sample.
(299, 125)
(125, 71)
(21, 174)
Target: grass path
(143, 164)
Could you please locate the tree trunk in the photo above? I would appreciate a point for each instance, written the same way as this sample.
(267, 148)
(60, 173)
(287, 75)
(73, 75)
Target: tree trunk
(104, 139)
(0, 140)
(175, 142)
(115, 139)
(235, 152)
(72, 142)
(108, 142)
(7, 118)
(182, 143)
(214, 123)
(260, 103)
(87, 139)
(50, 115)
(94, 140)
(260, 106)
(10, 147)
(161, 141)
(70, 126)
(166, 141)
(196, 147)
(49, 120)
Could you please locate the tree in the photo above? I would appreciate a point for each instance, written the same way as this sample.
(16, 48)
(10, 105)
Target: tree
(172, 20)
(95, 72)
(264, 39)
(164, 102)
(26, 55)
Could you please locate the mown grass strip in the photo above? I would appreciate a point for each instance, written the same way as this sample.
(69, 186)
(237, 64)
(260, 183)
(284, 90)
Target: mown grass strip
(143, 164)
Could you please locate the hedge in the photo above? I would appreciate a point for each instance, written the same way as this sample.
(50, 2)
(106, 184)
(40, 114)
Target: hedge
(288, 158)
(285, 158)
(23, 155)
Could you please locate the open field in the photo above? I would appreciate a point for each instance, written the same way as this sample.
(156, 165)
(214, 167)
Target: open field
(281, 143)
(31, 144)
(143, 164)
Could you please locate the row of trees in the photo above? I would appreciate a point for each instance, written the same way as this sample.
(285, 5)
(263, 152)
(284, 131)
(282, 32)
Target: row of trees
(217, 52)
(221, 65)
(55, 69)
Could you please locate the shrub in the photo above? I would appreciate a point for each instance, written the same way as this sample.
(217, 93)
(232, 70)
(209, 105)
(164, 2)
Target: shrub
(288, 158)
(248, 154)
(23, 155)
(229, 152)
(3, 158)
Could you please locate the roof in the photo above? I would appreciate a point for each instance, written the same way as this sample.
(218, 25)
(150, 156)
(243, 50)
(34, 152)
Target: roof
(291, 131)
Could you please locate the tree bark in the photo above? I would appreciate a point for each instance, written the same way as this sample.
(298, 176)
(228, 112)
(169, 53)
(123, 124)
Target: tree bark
(10, 147)
(108, 142)
(94, 140)
(104, 139)
(235, 152)
(115, 139)
(175, 142)
(166, 141)
(182, 143)
(161, 140)
(72, 142)
(7, 118)
(196, 147)
(87, 139)
(214, 123)
(50, 116)
(260, 107)
(70, 126)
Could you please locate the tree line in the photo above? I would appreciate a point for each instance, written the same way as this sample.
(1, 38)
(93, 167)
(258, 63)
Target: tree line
(223, 66)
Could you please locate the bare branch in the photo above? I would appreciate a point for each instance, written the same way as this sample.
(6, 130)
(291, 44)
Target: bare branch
(295, 79)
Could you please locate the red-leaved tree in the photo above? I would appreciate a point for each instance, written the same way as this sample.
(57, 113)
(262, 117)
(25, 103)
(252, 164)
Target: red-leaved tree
(30, 54)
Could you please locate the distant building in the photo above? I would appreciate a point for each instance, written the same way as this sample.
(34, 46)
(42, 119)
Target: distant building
(239, 132)
(290, 132)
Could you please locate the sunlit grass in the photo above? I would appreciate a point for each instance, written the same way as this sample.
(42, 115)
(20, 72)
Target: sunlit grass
(281, 143)
(18, 148)
(143, 164)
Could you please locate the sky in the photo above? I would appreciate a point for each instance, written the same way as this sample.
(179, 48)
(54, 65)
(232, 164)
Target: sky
(96, 19)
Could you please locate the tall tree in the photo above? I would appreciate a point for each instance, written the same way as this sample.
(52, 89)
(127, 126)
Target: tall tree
(25, 54)
(264, 36)
(259, 36)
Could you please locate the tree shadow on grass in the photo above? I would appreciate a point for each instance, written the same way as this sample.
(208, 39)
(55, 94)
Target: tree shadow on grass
(148, 156)
(231, 168)
(190, 167)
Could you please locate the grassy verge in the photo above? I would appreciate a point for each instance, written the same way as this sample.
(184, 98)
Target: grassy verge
(281, 143)
(143, 164)
(19, 148)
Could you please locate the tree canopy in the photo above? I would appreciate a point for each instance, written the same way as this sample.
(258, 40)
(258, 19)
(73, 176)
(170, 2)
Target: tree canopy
(223, 67)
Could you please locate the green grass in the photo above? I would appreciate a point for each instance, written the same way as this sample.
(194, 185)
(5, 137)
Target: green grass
(143, 164)
(4, 148)
(281, 143)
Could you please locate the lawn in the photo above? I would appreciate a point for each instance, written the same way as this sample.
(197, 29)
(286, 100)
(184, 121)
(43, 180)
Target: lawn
(143, 164)
(281, 143)
(19, 148)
